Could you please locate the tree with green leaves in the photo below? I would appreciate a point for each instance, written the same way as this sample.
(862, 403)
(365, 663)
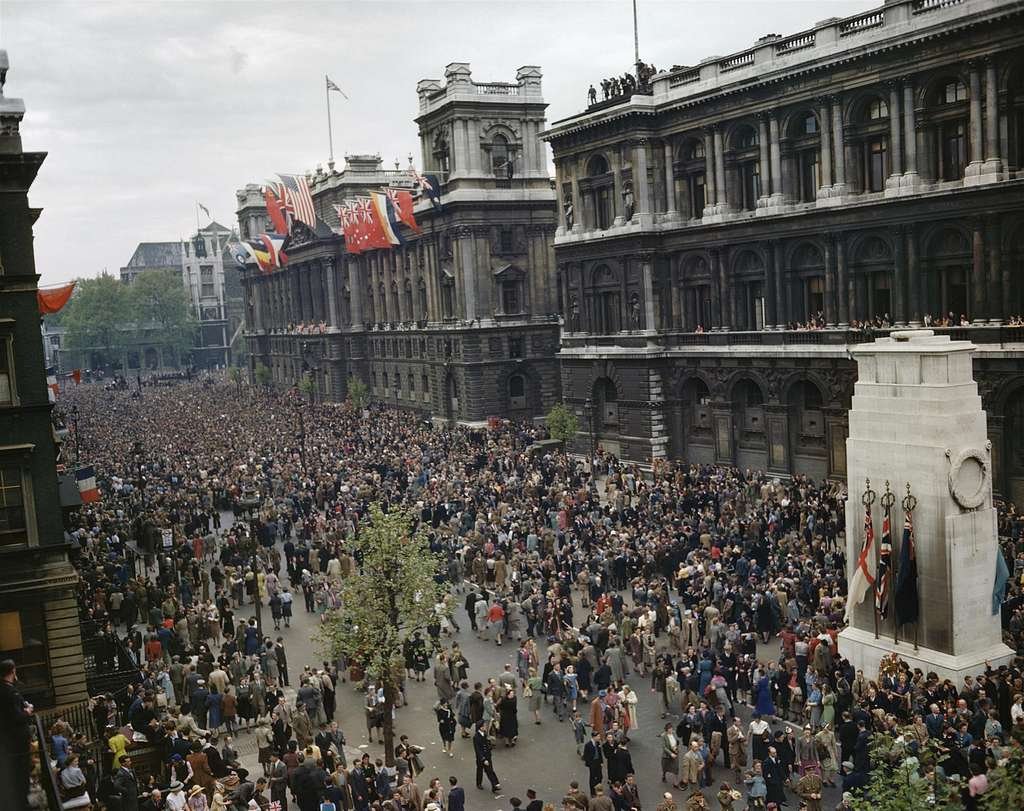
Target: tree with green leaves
(902, 780)
(235, 376)
(393, 595)
(562, 423)
(161, 311)
(98, 318)
(262, 376)
(1006, 783)
(307, 386)
(357, 393)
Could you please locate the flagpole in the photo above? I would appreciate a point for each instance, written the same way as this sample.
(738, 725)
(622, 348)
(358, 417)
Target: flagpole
(330, 134)
(636, 38)
(908, 504)
(887, 501)
(867, 500)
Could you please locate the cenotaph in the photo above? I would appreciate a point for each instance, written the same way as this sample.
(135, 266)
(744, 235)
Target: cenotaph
(917, 419)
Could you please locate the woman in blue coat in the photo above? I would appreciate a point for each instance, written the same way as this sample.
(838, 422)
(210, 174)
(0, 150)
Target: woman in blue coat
(214, 704)
(252, 639)
(763, 697)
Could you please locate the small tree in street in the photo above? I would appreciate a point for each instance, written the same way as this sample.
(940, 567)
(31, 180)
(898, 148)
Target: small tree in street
(235, 375)
(357, 393)
(262, 376)
(562, 423)
(392, 596)
(307, 387)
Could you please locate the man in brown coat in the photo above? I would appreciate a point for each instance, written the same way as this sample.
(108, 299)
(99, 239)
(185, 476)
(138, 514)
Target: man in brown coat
(737, 745)
(600, 801)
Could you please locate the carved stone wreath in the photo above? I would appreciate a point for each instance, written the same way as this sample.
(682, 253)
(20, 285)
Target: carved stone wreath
(968, 477)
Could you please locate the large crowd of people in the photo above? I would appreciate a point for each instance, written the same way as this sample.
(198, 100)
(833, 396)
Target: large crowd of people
(715, 592)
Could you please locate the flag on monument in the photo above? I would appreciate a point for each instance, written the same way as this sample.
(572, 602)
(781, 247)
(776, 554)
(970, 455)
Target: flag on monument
(369, 229)
(862, 579)
(76, 375)
(52, 386)
(86, 478)
(206, 211)
(906, 599)
(296, 193)
(276, 211)
(884, 571)
(999, 586)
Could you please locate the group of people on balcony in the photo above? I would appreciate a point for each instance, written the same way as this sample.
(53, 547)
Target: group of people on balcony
(309, 328)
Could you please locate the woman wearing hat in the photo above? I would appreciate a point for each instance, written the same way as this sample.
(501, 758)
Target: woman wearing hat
(175, 799)
(197, 800)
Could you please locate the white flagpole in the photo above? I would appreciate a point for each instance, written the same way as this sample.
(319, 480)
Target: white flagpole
(330, 134)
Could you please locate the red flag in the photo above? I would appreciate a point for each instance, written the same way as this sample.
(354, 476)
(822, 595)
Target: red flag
(403, 203)
(275, 211)
(370, 228)
(53, 301)
(76, 375)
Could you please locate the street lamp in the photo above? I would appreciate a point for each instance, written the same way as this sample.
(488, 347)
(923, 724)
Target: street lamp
(588, 415)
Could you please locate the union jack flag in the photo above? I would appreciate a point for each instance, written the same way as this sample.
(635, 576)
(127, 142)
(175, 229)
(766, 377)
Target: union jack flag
(884, 572)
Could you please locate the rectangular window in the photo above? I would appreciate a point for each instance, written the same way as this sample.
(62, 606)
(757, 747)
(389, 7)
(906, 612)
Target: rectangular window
(506, 240)
(815, 296)
(23, 639)
(510, 297)
(954, 150)
(515, 347)
(206, 289)
(603, 208)
(13, 523)
(6, 371)
(750, 175)
(809, 175)
(876, 164)
(698, 195)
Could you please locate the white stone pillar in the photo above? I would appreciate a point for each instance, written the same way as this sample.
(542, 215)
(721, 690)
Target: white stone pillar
(838, 147)
(765, 159)
(641, 185)
(911, 178)
(892, 183)
(993, 160)
(776, 157)
(671, 210)
(825, 124)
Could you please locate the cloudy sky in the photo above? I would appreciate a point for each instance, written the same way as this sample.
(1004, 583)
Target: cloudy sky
(146, 107)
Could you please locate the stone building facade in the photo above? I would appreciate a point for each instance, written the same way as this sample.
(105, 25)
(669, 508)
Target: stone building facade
(868, 167)
(460, 322)
(39, 623)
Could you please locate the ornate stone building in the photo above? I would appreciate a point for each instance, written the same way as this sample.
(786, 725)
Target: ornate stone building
(867, 167)
(39, 622)
(460, 322)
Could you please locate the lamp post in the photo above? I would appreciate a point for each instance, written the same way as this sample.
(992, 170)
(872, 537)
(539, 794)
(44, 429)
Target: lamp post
(588, 415)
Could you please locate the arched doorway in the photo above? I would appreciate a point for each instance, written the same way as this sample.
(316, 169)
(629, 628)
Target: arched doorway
(750, 446)
(152, 358)
(606, 427)
(808, 453)
(517, 393)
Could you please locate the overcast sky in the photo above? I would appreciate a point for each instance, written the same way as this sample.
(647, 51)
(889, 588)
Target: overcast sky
(147, 107)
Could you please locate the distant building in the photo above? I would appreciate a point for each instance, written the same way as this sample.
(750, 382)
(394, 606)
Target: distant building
(214, 295)
(153, 256)
(39, 618)
(461, 321)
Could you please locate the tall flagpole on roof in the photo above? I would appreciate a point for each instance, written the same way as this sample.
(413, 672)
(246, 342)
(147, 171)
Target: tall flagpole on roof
(636, 38)
(330, 134)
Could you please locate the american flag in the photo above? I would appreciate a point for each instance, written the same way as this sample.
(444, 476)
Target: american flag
(296, 194)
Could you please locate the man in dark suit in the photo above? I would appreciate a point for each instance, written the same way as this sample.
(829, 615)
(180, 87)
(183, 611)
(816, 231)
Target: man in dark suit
(456, 795)
(774, 778)
(127, 785)
(593, 758)
(15, 757)
(482, 750)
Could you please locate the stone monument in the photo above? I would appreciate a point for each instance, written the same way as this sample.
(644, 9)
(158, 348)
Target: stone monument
(917, 419)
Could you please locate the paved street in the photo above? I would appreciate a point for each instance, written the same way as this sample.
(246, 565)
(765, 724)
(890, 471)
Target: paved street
(545, 756)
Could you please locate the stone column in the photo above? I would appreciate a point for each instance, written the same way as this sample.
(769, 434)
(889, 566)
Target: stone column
(647, 276)
(770, 309)
(726, 294)
(559, 193)
(671, 211)
(782, 314)
(332, 293)
(577, 198)
(999, 305)
(617, 185)
(709, 171)
(914, 280)
(910, 136)
(776, 159)
(830, 282)
(765, 166)
(825, 120)
(838, 146)
(474, 164)
(720, 191)
(993, 161)
(355, 289)
(641, 186)
(899, 282)
(976, 145)
(895, 137)
(978, 280)
(842, 282)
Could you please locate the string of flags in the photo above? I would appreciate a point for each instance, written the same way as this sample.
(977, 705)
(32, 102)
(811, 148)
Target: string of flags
(370, 222)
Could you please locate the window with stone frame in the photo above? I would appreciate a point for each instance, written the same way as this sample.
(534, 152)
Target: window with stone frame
(14, 529)
(694, 177)
(7, 391)
(945, 122)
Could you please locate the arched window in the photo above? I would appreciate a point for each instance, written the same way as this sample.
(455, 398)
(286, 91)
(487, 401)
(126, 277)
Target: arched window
(746, 162)
(598, 190)
(597, 165)
(806, 155)
(869, 140)
(500, 157)
(694, 172)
